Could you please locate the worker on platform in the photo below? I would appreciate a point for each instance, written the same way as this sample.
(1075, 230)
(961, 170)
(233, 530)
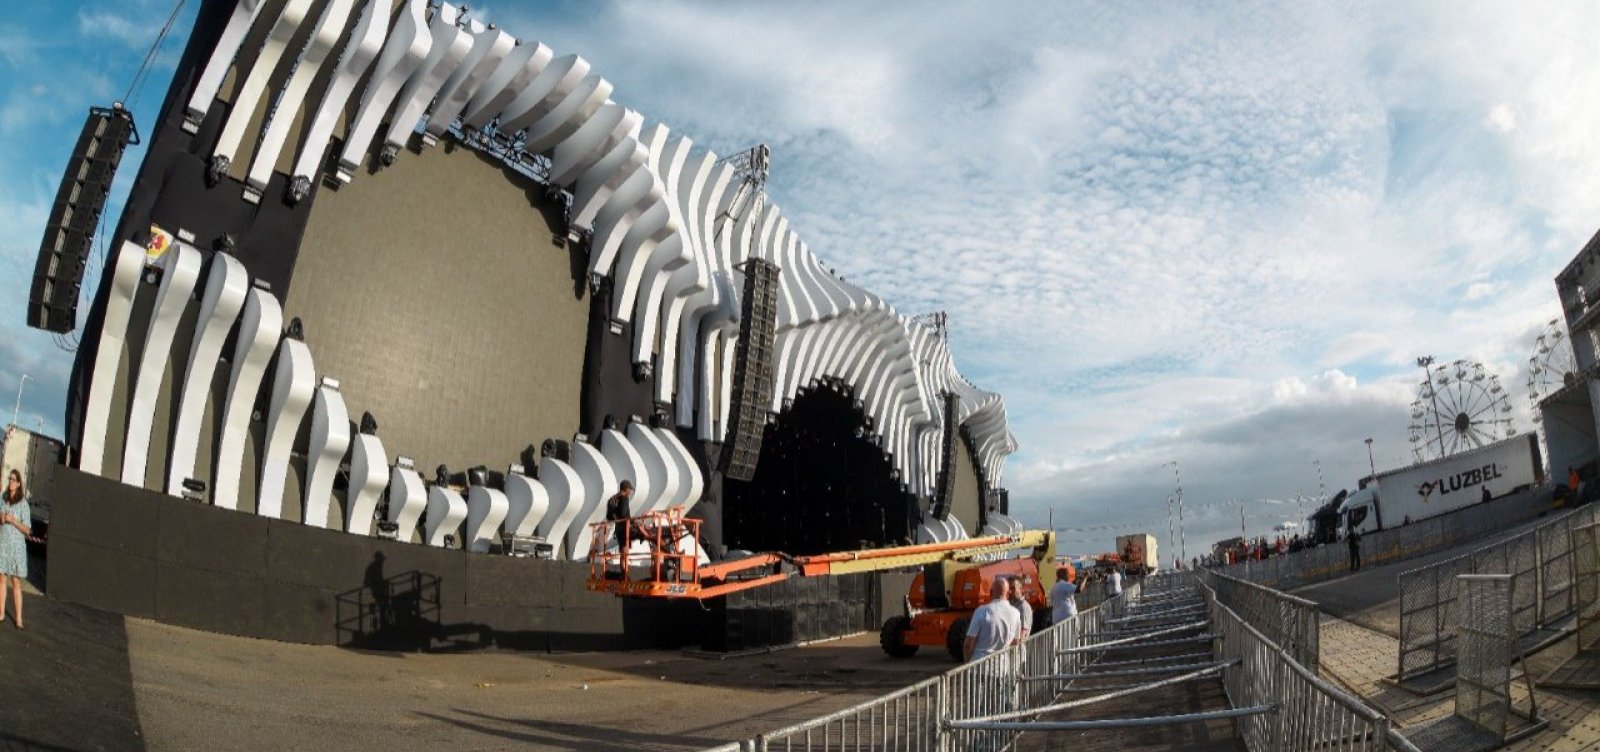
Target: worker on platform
(1063, 597)
(617, 513)
(1023, 607)
(994, 625)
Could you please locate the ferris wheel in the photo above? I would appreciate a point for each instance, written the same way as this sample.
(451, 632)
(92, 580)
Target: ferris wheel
(1552, 365)
(1459, 406)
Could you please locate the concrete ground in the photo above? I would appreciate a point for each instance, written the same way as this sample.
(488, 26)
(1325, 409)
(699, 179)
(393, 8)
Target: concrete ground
(81, 679)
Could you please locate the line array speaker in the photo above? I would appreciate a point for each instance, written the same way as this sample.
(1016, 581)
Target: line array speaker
(752, 375)
(69, 233)
(947, 456)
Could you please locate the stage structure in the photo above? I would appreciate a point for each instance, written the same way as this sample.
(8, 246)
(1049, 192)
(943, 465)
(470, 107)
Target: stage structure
(391, 271)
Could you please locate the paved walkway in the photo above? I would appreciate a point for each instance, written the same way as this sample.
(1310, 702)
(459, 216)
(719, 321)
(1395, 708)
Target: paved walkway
(1360, 651)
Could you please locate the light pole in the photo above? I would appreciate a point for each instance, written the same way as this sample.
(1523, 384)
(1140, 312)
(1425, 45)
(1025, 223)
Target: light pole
(1373, 466)
(17, 406)
(1322, 485)
(1177, 484)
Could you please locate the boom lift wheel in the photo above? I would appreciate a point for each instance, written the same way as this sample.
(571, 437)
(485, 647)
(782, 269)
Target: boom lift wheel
(955, 640)
(892, 638)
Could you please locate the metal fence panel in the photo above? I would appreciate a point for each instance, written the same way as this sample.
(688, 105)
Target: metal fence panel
(1312, 714)
(1291, 622)
(1488, 644)
(1555, 574)
(1428, 615)
(1586, 583)
(1540, 563)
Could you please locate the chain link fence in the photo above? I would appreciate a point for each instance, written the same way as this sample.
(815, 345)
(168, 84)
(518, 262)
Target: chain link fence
(1488, 643)
(1540, 563)
(1586, 583)
(1331, 560)
(1291, 622)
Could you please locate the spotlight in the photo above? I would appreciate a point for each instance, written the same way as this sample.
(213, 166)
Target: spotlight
(194, 490)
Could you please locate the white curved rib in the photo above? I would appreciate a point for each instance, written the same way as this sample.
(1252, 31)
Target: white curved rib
(259, 329)
(599, 482)
(446, 510)
(408, 496)
(521, 66)
(330, 27)
(226, 286)
(450, 44)
(182, 269)
(408, 46)
(526, 504)
(566, 501)
(359, 53)
(544, 92)
(627, 464)
(325, 449)
(560, 122)
(662, 467)
(292, 385)
(369, 474)
(694, 484)
(222, 57)
(592, 141)
(489, 48)
(108, 355)
(252, 94)
(486, 509)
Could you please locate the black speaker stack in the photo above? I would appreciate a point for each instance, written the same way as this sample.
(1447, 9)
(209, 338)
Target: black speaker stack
(69, 235)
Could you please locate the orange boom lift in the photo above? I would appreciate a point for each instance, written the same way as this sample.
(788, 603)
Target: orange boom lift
(672, 568)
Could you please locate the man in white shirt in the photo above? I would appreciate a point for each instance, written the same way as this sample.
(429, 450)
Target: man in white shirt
(1063, 597)
(1114, 582)
(994, 625)
(1019, 601)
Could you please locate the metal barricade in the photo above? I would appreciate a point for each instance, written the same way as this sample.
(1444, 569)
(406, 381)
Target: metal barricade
(1586, 584)
(1311, 713)
(1541, 565)
(1291, 622)
(1428, 616)
(910, 718)
(1488, 644)
(1519, 558)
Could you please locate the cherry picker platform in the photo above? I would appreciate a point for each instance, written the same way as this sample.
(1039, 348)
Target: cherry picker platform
(674, 567)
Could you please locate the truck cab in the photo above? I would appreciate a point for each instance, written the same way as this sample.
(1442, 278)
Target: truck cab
(1359, 511)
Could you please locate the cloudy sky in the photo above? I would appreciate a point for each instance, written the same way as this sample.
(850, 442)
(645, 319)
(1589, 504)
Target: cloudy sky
(1215, 233)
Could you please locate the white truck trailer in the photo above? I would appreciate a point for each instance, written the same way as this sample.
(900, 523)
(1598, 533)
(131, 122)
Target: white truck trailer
(1437, 486)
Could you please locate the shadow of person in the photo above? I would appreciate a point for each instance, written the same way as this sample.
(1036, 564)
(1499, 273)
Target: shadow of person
(378, 586)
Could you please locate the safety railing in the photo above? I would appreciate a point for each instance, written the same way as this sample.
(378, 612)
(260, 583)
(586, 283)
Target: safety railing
(912, 718)
(1395, 543)
(1277, 702)
(1310, 713)
(1291, 622)
(1541, 565)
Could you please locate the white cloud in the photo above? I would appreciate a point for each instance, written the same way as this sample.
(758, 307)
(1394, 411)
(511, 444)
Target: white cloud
(133, 32)
(1503, 118)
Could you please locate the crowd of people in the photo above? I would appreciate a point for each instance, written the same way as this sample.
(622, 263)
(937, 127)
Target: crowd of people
(1258, 549)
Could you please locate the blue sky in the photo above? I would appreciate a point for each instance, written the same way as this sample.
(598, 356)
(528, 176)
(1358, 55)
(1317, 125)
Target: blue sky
(1217, 233)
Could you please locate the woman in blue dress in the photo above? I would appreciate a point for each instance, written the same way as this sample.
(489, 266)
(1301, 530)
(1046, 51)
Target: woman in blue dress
(15, 519)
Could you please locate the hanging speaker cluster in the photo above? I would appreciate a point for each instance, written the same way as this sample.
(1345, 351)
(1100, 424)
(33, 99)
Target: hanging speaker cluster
(69, 234)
